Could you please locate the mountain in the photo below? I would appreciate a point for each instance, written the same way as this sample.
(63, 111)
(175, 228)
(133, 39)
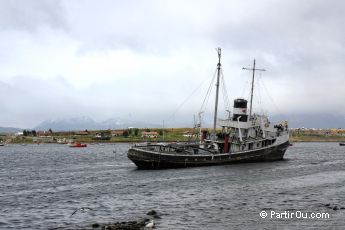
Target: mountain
(10, 130)
(77, 123)
(325, 121)
(82, 123)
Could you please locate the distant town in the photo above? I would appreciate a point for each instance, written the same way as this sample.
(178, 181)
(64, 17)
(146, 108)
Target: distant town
(132, 134)
(120, 135)
(314, 134)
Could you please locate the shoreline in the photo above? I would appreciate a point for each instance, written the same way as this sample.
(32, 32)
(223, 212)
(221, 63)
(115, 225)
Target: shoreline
(133, 141)
(313, 139)
(169, 135)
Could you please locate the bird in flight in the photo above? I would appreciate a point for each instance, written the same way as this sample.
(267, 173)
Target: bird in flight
(82, 209)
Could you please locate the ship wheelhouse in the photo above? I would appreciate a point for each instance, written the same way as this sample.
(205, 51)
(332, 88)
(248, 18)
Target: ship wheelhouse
(248, 133)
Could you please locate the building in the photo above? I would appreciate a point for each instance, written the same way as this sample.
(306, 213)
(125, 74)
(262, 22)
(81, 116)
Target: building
(149, 134)
(82, 133)
(116, 133)
(43, 133)
(189, 134)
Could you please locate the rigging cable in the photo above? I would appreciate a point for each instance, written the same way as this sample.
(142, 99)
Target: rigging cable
(291, 116)
(246, 86)
(258, 93)
(179, 107)
(225, 93)
(269, 96)
(203, 105)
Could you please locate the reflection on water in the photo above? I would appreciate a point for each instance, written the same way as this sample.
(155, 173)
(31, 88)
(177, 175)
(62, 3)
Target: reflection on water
(42, 185)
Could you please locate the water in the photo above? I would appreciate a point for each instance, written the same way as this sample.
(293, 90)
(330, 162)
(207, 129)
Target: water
(41, 186)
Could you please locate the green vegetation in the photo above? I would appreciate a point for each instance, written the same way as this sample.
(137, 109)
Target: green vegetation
(105, 136)
(316, 136)
(138, 135)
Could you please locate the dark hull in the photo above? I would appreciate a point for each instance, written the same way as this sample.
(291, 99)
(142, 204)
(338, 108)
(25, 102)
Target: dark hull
(145, 159)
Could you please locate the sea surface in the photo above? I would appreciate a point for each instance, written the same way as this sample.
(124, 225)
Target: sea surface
(42, 185)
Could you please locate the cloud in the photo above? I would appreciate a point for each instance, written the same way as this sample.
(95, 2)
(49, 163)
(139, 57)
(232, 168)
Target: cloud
(30, 100)
(114, 58)
(30, 14)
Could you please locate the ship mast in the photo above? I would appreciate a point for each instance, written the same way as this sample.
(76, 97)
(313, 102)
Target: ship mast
(252, 90)
(217, 92)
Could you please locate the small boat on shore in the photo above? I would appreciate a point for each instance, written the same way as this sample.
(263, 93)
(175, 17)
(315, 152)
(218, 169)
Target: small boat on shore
(77, 145)
(342, 143)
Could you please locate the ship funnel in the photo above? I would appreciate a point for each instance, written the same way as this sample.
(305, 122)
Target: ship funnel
(240, 110)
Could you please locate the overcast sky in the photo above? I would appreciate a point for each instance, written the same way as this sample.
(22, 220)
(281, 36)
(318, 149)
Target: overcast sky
(142, 59)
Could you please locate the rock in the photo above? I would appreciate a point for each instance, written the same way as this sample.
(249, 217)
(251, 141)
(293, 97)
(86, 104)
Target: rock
(96, 225)
(156, 216)
(151, 213)
(130, 225)
(138, 224)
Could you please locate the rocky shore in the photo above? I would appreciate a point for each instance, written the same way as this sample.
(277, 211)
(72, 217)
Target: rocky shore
(139, 224)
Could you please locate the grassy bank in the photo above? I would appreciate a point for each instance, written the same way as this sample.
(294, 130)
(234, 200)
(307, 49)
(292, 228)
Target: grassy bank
(302, 138)
(169, 134)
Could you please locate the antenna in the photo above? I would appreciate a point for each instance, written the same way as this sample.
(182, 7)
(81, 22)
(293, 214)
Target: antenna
(251, 94)
(200, 134)
(163, 132)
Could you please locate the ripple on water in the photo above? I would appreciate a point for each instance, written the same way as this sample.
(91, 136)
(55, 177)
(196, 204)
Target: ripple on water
(42, 185)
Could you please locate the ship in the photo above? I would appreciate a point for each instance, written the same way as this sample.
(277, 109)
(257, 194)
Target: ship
(244, 137)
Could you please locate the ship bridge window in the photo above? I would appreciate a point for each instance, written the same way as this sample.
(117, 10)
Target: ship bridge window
(250, 146)
(243, 118)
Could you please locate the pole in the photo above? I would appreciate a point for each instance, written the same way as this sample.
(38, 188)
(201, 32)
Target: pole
(252, 90)
(217, 92)
(251, 93)
(163, 132)
(200, 134)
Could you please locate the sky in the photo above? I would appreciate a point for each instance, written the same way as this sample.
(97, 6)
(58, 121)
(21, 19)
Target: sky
(154, 60)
